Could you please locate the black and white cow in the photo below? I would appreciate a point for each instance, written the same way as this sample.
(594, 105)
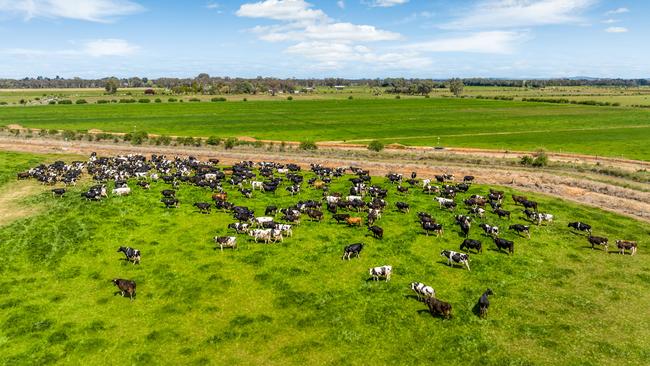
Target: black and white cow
(402, 206)
(624, 245)
(521, 229)
(381, 272)
(58, 192)
(490, 230)
(456, 258)
(203, 207)
(131, 254)
(423, 291)
(580, 226)
(239, 227)
(598, 240)
(352, 249)
(226, 242)
(484, 303)
(432, 226)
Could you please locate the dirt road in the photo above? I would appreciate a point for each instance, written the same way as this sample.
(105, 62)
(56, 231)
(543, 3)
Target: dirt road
(626, 201)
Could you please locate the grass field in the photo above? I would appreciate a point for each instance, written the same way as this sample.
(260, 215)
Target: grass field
(511, 125)
(557, 301)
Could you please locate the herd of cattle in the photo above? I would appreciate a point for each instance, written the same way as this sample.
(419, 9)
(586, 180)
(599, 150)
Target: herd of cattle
(363, 203)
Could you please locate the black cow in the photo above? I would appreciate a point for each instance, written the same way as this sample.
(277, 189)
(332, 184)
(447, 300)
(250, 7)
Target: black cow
(203, 207)
(519, 228)
(271, 211)
(502, 213)
(315, 215)
(598, 240)
(246, 192)
(170, 202)
(131, 254)
(580, 226)
(530, 204)
(59, 192)
(402, 206)
(169, 193)
(472, 244)
(143, 184)
(377, 232)
(125, 287)
(437, 307)
(504, 244)
(484, 303)
(468, 178)
(340, 217)
(464, 227)
(352, 249)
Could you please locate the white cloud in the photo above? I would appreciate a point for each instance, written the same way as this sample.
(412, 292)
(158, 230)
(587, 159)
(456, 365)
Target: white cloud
(212, 5)
(386, 3)
(495, 42)
(520, 13)
(618, 11)
(340, 4)
(616, 30)
(89, 10)
(610, 21)
(109, 47)
(287, 10)
(327, 31)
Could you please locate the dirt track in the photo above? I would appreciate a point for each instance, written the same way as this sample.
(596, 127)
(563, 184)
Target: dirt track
(609, 197)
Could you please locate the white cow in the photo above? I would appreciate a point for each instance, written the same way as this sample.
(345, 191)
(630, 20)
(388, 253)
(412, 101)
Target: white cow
(124, 191)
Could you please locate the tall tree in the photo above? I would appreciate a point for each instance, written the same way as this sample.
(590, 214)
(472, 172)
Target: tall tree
(456, 86)
(111, 85)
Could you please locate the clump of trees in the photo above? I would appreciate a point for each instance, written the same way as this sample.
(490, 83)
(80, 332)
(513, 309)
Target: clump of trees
(308, 145)
(111, 85)
(538, 160)
(456, 86)
(376, 145)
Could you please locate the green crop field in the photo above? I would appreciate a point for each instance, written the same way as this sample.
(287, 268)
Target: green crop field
(556, 301)
(511, 125)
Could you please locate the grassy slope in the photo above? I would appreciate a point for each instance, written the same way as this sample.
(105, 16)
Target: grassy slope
(408, 121)
(556, 302)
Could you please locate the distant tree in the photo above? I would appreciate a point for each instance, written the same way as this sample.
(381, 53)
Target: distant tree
(376, 145)
(111, 85)
(456, 86)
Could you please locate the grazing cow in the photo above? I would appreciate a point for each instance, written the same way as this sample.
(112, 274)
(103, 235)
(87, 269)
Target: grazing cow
(598, 240)
(122, 191)
(432, 226)
(444, 201)
(480, 212)
(530, 204)
(423, 291)
(131, 254)
(246, 192)
(170, 202)
(285, 229)
(624, 245)
(490, 230)
(261, 234)
(259, 221)
(519, 199)
(293, 189)
(437, 307)
(226, 242)
(502, 213)
(504, 244)
(484, 303)
(468, 178)
(220, 197)
(203, 207)
(464, 227)
(519, 228)
(332, 199)
(352, 249)
(456, 257)
(315, 215)
(340, 217)
(402, 206)
(377, 232)
(168, 193)
(125, 287)
(383, 271)
(580, 226)
(538, 217)
(256, 185)
(472, 244)
(240, 228)
(271, 210)
(352, 221)
(143, 184)
(58, 192)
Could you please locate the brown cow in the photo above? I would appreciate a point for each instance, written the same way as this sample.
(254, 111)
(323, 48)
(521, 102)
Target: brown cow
(220, 197)
(624, 245)
(351, 221)
(125, 286)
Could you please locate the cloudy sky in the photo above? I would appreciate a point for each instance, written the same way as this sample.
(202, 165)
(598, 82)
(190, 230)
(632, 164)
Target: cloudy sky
(322, 38)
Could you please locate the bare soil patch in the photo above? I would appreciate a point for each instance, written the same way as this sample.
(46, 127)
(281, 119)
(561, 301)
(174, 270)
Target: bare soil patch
(11, 197)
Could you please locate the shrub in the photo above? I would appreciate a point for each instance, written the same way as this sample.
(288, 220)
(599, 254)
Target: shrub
(127, 101)
(69, 135)
(137, 138)
(308, 145)
(217, 99)
(541, 159)
(144, 100)
(290, 98)
(158, 100)
(526, 160)
(65, 101)
(376, 145)
(51, 102)
(350, 97)
(213, 141)
(194, 100)
(245, 100)
(103, 101)
(172, 100)
(53, 131)
(81, 101)
(42, 132)
(163, 140)
(230, 143)
(398, 97)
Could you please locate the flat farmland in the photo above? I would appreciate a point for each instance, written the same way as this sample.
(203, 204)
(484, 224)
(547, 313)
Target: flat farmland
(511, 125)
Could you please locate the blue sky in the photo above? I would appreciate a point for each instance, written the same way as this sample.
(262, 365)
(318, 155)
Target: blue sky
(325, 38)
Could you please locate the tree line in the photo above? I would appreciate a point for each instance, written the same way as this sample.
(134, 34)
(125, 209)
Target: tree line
(206, 84)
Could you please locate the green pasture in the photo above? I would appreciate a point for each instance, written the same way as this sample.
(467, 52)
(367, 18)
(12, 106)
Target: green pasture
(556, 301)
(450, 122)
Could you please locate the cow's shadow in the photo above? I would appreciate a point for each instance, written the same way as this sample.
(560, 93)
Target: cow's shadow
(126, 296)
(427, 312)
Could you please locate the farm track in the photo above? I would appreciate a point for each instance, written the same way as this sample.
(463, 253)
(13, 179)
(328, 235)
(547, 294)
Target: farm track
(575, 187)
